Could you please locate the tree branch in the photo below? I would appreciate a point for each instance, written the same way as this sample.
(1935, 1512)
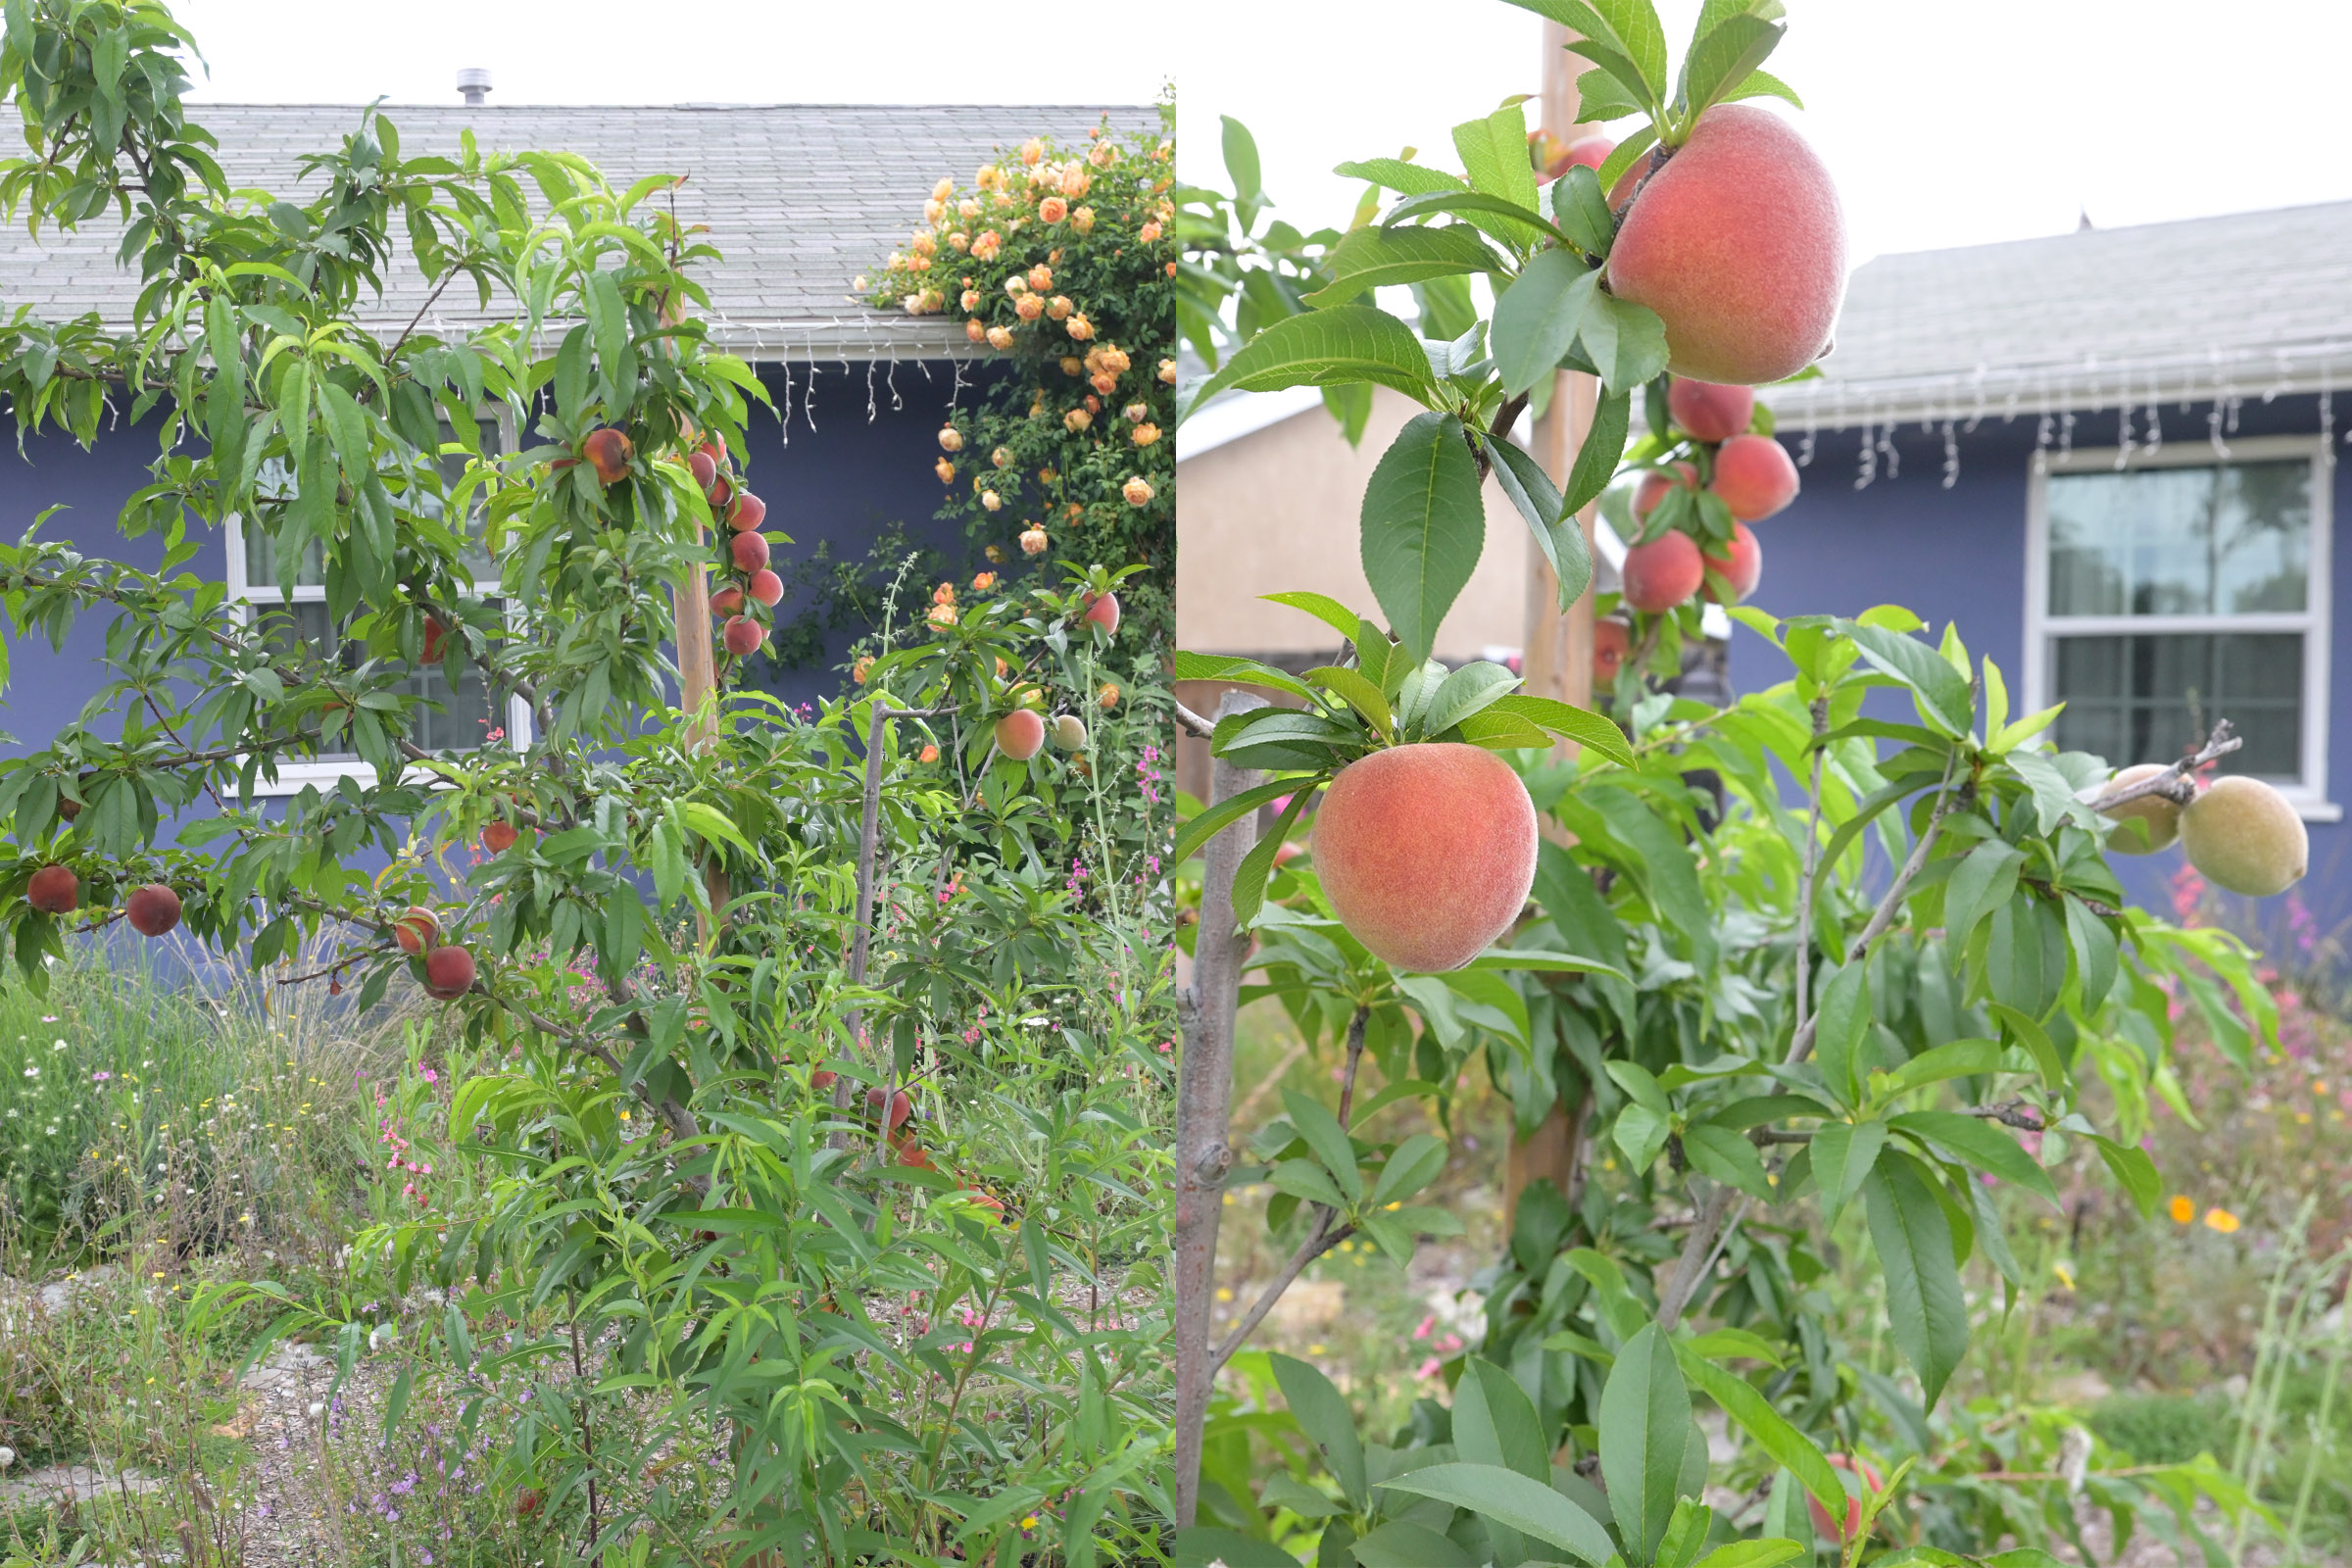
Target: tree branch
(2173, 783)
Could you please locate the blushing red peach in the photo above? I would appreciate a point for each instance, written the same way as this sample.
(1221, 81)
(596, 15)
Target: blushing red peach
(1822, 1524)
(1103, 612)
(750, 551)
(1021, 734)
(54, 890)
(766, 587)
(1663, 573)
(747, 514)
(1612, 640)
(448, 973)
(152, 910)
(1739, 244)
(499, 837)
(744, 636)
(1708, 412)
(1755, 476)
(606, 451)
(1657, 482)
(703, 467)
(416, 930)
(726, 601)
(1427, 851)
(1743, 565)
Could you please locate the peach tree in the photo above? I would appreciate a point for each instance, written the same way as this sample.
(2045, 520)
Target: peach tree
(1848, 942)
(675, 928)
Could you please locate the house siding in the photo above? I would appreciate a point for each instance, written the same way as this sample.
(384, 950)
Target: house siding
(837, 476)
(1958, 553)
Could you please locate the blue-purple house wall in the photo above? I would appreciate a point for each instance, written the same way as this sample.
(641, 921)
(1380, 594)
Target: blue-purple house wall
(1958, 553)
(838, 476)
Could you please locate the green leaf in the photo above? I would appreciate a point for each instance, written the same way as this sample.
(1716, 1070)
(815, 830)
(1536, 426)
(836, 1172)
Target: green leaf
(1375, 257)
(1973, 1142)
(712, 823)
(1424, 524)
(1580, 209)
(1494, 155)
(1358, 693)
(1844, 1018)
(1644, 1430)
(1980, 884)
(1725, 57)
(1228, 667)
(1330, 612)
(1843, 1155)
(1521, 226)
(1640, 1133)
(1626, 342)
(1402, 1544)
(1327, 1137)
(1925, 1306)
(1512, 1499)
(1409, 179)
(2053, 796)
(1495, 1423)
(1414, 1166)
(1958, 1059)
(1745, 1554)
(1536, 319)
(1727, 1156)
(1588, 729)
(2036, 1040)
(1942, 691)
(1249, 876)
(1210, 822)
(1474, 686)
(1204, 1545)
(1323, 1415)
(1326, 348)
(1240, 160)
(1762, 84)
(2133, 1168)
(1602, 450)
(2095, 952)
(1789, 1447)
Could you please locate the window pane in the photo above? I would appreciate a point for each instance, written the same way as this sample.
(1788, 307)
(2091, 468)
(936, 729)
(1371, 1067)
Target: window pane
(2203, 541)
(261, 556)
(467, 715)
(2144, 699)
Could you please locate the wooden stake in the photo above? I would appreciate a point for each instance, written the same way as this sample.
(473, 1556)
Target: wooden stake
(1556, 653)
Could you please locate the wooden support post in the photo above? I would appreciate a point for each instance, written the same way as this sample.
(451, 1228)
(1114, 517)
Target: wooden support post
(1556, 653)
(1203, 1106)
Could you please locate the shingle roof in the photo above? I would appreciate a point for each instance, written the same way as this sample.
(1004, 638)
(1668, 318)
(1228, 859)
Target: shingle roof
(801, 198)
(2251, 303)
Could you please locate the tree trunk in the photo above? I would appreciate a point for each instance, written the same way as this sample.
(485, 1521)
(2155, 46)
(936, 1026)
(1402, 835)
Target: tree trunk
(1204, 1104)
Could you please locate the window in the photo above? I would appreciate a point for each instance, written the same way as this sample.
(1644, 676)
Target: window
(468, 709)
(2168, 592)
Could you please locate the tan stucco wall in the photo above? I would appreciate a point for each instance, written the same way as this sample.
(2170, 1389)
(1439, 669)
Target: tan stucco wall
(1278, 510)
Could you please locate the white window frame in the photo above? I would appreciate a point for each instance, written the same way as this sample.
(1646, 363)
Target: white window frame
(2309, 794)
(298, 774)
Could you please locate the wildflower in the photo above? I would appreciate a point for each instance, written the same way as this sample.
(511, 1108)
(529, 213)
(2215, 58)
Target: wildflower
(2183, 1210)
(2221, 1220)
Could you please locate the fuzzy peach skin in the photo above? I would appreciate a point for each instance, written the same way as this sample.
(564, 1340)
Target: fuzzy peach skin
(1739, 244)
(1743, 565)
(2244, 835)
(1427, 851)
(1755, 476)
(1663, 573)
(1707, 411)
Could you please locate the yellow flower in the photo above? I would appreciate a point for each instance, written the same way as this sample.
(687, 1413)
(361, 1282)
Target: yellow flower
(1312, 1350)
(2183, 1209)
(1224, 1293)
(2064, 1273)
(2222, 1220)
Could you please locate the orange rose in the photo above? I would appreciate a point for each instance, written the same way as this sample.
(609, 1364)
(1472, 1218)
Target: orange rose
(1146, 433)
(984, 582)
(970, 299)
(1137, 491)
(1104, 382)
(1033, 542)
(950, 439)
(944, 593)
(942, 615)
(1076, 421)
(1000, 338)
(976, 329)
(1032, 149)
(1075, 181)
(1080, 327)
(943, 190)
(1053, 209)
(960, 241)
(1083, 220)
(1040, 277)
(1060, 307)
(991, 500)
(1070, 364)
(1002, 458)
(1029, 307)
(946, 471)
(864, 667)
(1167, 372)
(1148, 233)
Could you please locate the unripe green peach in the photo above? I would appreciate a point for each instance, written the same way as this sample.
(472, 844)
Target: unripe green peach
(1069, 732)
(2146, 824)
(2242, 835)
(1427, 851)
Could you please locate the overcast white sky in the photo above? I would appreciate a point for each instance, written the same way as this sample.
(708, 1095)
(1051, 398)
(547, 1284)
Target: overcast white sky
(1940, 130)
(1943, 124)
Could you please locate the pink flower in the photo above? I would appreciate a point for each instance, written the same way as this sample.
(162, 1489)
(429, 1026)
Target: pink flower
(1428, 1323)
(1428, 1368)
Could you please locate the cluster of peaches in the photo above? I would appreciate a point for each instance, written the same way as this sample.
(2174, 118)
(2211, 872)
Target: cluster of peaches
(1751, 474)
(152, 909)
(1021, 734)
(609, 452)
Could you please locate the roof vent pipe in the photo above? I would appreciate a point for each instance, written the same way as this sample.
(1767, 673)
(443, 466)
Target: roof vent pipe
(473, 85)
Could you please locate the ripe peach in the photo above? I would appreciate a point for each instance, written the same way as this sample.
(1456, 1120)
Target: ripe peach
(1591, 150)
(750, 551)
(747, 514)
(448, 973)
(1744, 566)
(2146, 824)
(54, 890)
(765, 586)
(1755, 476)
(416, 930)
(606, 451)
(703, 467)
(152, 909)
(1612, 640)
(499, 837)
(1103, 612)
(436, 639)
(1663, 573)
(1708, 412)
(1427, 851)
(744, 637)
(1020, 733)
(902, 1105)
(1657, 482)
(1739, 244)
(727, 600)
(721, 491)
(911, 1153)
(2244, 835)
(1822, 1524)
